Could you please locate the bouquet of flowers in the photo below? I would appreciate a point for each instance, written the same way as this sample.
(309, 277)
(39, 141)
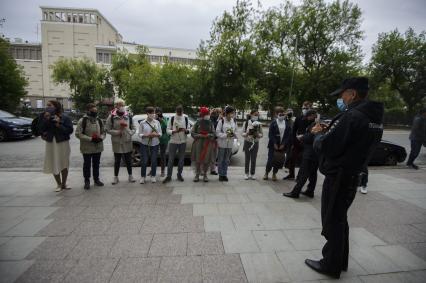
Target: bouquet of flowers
(230, 133)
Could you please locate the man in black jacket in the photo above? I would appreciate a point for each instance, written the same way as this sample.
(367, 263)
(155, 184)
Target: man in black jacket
(344, 147)
(309, 165)
(417, 137)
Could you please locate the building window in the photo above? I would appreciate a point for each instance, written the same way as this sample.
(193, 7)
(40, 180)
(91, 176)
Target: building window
(103, 57)
(26, 52)
(80, 18)
(87, 18)
(45, 16)
(74, 18)
(92, 19)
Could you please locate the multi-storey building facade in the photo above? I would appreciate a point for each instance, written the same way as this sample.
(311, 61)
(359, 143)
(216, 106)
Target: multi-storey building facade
(75, 33)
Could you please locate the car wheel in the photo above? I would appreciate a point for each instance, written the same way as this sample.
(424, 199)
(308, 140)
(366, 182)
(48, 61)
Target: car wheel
(391, 160)
(2, 135)
(136, 156)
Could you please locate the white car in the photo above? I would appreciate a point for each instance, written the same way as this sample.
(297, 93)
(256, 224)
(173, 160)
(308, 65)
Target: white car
(137, 141)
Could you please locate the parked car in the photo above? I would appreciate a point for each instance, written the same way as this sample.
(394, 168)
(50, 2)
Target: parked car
(13, 127)
(388, 153)
(137, 140)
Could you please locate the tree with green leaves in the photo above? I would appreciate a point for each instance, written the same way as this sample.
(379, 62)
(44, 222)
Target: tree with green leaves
(400, 61)
(88, 82)
(12, 80)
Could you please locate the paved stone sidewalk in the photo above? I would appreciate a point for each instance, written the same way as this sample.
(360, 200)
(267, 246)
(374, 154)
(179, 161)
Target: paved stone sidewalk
(216, 232)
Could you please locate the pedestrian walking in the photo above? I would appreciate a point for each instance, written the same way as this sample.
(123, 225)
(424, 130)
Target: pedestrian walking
(178, 128)
(55, 129)
(150, 132)
(344, 147)
(119, 125)
(279, 139)
(164, 140)
(203, 146)
(91, 133)
(417, 137)
(252, 133)
(226, 132)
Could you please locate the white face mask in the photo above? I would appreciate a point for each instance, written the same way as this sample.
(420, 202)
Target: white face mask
(207, 117)
(254, 118)
(281, 118)
(304, 111)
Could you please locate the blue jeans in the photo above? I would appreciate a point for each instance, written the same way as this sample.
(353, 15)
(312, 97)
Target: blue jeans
(224, 158)
(149, 152)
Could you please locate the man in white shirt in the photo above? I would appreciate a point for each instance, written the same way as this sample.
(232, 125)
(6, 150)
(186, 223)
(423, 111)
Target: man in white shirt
(226, 132)
(149, 131)
(178, 129)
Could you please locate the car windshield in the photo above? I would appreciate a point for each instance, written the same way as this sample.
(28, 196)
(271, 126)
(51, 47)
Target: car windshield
(4, 114)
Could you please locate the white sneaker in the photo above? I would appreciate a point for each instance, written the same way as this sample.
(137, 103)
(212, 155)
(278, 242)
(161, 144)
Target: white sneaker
(115, 181)
(246, 177)
(131, 179)
(252, 177)
(58, 189)
(142, 180)
(363, 190)
(153, 180)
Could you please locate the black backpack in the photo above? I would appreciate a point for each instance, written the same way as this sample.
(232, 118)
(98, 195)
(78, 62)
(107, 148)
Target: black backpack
(84, 125)
(34, 126)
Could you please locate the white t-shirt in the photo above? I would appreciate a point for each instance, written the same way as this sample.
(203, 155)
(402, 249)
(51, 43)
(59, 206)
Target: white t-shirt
(147, 127)
(281, 128)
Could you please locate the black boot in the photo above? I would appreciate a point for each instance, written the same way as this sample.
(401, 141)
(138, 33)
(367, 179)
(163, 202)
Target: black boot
(180, 178)
(87, 185)
(99, 183)
(309, 194)
(167, 180)
(291, 195)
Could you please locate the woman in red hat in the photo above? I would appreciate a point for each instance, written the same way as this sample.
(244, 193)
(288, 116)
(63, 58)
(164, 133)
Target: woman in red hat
(204, 143)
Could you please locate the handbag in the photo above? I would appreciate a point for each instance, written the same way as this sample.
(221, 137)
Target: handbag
(278, 159)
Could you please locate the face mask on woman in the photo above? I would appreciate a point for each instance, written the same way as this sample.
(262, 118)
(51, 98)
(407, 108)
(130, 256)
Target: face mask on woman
(304, 111)
(51, 109)
(92, 114)
(281, 118)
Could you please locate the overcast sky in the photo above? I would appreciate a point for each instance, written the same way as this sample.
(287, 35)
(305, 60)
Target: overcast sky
(183, 23)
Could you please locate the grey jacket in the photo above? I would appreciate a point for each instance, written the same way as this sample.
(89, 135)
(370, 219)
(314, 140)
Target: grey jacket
(121, 138)
(92, 127)
(418, 130)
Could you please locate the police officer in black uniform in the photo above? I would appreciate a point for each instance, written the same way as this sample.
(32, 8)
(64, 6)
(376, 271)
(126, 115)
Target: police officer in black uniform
(343, 148)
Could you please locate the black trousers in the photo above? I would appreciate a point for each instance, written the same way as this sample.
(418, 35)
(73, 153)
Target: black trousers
(92, 159)
(337, 196)
(308, 170)
(127, 159)
(416, 146)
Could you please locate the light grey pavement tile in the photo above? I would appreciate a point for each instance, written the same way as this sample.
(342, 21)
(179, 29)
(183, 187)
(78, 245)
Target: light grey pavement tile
(418, 249)
(60, 227)
(208, 209)
(420, 226)
(294, 264)
(192, 198)
(69, 201)
(92, 270)
(167, 198)
(372, 261)
(239, 242)
(398, 234)
(8, 223)
(300, 221)
(136, 270)
(223, 268)
(68, 212)
(258, 208)
(169, 245)
(264, 267)
(272, 241)
(180, 269)
(363, 238)
(19, 247)
(399, 277)
(28, 227)
(218, 223)
(231, 209)
(215, 198)
(32, 201)
(305, 240)
(247, 222)
(131, 246)
(172, 224)
(4, 240)
(39, 212)
(96, 212)
(402, 257)
(11, 270)
(125, 226)
(144, 199)
(272, 221)
(124, 211)
(92, 227)
(47, 271)
(54, 248)
(237, 198)
(343, 280)
(205, 243)
(12, 212)
(93, 247)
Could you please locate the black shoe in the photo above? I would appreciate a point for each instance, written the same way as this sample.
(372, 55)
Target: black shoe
(99, 183)
(167, 179)
(213, 173)
(413, 166)
(308, 194)
(87, 185)
(316, 265)
(225, 179)
(221, 179)
(180, 178)
(196, 178)
(289, 177)
(291, 195)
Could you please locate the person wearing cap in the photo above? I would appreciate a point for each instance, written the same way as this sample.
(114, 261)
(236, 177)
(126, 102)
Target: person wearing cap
(226, 132)
(203, 146)
(344, 146)
(309, 165)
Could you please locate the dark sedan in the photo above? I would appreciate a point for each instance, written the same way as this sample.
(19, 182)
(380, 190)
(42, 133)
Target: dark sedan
(13, 127)
(388, 153)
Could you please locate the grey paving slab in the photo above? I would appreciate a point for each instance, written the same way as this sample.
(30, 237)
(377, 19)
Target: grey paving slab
(402, 257)
(69, 201)
(136, 270)
(192, 198)
(231, 209)
(47, 271)
(12, 212)
(8, 223)
(169, 245)
(239, 242)
(131, 246)
(205, 243)
(28, 227)
(92, 270)
(420, 226)
(167, 198)
(363, 238)
(4, 240)
(343, 280)
(418, 249)
(400, 277)
(180, 269)
(208, 209)
(237, 198)
(294, 264)
(264, 267)
(96, 212)
(32, 201)
(39, 212)
(11, 270)
(54, 248)
(144, 199)
(127, 211)
(305, 240)
(60, 227)
(19, 247)
(68, 212)
(93, 247)
(372, 261)
(125, 226)
(215, 198)
(223, 268)
(218, 223)
(398, 234)
(272, 241)
(92, 227)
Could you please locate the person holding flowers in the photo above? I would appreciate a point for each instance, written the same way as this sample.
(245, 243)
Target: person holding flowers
(226, 132)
